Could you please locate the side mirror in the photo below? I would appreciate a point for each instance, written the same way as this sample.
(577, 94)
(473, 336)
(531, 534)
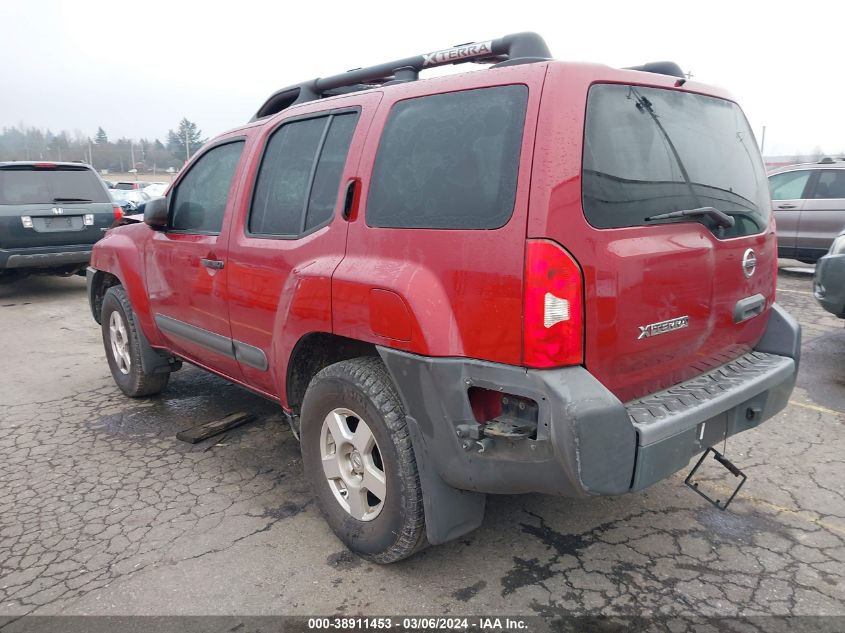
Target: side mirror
(155, 213)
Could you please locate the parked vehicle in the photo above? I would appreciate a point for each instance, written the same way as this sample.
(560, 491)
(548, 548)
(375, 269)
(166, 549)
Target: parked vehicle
(155, 189)
(809, 205)
(50, 216)
(543, 277)
(129, 185)
(129, 200)
(829, 283)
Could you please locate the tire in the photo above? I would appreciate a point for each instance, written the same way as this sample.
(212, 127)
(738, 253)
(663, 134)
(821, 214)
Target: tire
(343, 397)
(123, 347)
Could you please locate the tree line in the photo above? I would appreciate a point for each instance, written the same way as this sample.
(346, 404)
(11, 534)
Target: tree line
(116, 155)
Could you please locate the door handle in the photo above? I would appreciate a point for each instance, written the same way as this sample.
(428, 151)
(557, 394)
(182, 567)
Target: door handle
(786, 206)
(349, 199)
(216, 264)
(749, 307)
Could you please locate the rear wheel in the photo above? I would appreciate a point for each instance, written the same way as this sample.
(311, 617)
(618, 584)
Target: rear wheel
(358, 458)
(123, 347)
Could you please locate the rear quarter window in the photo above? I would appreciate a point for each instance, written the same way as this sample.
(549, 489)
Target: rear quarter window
(449, 161)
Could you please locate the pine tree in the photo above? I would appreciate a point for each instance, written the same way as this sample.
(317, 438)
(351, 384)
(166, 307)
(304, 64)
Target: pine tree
(187, 132)
(101, 138)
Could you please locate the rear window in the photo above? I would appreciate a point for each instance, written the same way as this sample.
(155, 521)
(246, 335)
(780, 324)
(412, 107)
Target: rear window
(649, 151)
(29, 185)
(449, 161)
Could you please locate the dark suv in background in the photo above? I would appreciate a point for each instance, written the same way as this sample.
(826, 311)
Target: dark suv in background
(50, 216)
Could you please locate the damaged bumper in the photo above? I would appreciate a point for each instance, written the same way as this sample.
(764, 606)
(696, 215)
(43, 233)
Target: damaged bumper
(587, 442)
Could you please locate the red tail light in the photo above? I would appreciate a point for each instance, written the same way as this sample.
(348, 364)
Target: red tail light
(553, 331)
(118, 213)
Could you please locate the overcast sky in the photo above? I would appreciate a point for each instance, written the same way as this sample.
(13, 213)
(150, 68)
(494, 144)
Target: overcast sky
(136, 68)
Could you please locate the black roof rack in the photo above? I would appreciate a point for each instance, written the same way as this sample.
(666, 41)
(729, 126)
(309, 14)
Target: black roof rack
(518, 48)
(661, 68)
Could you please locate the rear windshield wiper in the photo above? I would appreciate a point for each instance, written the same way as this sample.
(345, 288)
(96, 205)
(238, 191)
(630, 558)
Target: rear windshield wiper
(721, 218)
(71, 200)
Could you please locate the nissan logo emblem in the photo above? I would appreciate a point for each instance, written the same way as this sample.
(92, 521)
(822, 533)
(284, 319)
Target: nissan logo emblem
(749, 263)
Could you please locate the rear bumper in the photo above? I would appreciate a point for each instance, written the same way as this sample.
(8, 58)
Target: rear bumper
(45, 256)
(829, 284)
(588, 442)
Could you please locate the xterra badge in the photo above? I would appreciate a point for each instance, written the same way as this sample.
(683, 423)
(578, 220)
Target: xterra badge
(653, 329)
(458, 53)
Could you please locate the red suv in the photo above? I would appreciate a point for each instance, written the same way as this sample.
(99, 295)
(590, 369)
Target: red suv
(542, 277)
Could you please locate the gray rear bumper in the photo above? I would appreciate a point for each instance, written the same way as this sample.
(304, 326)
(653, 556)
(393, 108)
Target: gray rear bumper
(588, 442)
(829, 284)
(45, 256)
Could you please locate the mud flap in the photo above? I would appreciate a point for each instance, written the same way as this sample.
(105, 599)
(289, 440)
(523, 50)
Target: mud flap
(449, 512)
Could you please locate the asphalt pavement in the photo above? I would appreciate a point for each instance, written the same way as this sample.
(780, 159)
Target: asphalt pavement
(103, 511)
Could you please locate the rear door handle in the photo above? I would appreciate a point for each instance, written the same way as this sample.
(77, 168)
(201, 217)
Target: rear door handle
(349, 199)
(216, 264)
(786, 206)
(749, 307)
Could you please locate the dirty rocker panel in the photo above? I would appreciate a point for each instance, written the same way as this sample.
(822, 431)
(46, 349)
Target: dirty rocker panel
(244, 353)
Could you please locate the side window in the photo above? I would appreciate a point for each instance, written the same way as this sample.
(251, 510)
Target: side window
(299, 177)
(199, 200)
(789, 186)
(449, 161)
(831, 184)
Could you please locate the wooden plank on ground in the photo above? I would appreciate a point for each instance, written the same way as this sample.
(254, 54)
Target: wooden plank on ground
(209, 429)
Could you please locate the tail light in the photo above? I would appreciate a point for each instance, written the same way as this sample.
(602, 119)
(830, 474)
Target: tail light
(118, 213)
(553, 331)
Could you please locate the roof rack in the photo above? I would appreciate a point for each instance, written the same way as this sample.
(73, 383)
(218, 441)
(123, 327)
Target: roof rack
(661, 68)
(510, 50)
(518, 48)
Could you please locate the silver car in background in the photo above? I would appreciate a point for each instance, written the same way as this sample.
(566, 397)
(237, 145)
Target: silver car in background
(808, 201)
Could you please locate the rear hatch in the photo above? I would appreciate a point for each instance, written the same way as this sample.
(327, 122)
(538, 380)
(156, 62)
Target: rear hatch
(667, 296)
(46, 204)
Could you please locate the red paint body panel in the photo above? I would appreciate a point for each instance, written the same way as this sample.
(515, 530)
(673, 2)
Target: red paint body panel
(181, 288)
(641, 275)
(280, 289)
(389, 316)
(122, 254)
(463, 288)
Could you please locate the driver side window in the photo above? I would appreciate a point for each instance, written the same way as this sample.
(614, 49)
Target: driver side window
(199, 200)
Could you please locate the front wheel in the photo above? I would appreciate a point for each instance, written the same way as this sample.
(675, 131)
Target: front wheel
(123, 347)
(358, 458)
